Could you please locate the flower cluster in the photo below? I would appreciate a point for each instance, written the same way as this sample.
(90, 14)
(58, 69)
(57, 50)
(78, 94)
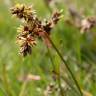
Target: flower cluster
(32, 28)
(80, 21)
(87, 24)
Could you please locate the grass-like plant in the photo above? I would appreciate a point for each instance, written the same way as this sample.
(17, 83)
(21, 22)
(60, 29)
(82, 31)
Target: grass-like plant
(33, 29)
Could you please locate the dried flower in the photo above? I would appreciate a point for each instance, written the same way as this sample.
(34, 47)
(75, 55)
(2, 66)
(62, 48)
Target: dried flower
(51, 88)
(80, 21)
(32, 27)
(87, 24)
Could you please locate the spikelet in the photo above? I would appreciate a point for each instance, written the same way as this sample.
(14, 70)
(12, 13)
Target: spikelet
(32, 28)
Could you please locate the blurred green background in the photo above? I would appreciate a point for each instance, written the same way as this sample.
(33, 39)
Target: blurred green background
(78, 49)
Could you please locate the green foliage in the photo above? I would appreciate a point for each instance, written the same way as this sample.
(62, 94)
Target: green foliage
(79, 51)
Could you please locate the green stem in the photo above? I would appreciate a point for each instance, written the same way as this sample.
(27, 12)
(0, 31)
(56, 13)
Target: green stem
(22, 92)
(51, 59)
(6, 83)
(59, 54)
(69, 84)
(59, 79)
(3, 91)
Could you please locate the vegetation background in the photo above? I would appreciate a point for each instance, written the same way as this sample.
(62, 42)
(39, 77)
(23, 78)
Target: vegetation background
(79, 50)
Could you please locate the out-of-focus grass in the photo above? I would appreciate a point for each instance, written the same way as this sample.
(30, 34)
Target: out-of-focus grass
(68, 40)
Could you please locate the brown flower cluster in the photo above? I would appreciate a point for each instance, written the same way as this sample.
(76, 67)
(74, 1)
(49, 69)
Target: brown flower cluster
(88, 23)
(80, 21)
(32, 28)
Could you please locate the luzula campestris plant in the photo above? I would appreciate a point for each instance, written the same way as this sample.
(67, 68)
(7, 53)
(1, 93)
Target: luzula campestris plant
(32, 28)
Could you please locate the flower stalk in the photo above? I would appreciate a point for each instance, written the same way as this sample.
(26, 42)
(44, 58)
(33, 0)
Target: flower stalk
(33, 29)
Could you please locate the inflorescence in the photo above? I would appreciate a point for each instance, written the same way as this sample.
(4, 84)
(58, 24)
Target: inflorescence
(32, 28)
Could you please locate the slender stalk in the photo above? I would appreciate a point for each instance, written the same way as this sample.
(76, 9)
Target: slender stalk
(3, 91)
(6, 83)
(59, 83)
(59, 54)
(69, 84)
(22, 92)
(59, 79)
(24, 85)
(51, 59)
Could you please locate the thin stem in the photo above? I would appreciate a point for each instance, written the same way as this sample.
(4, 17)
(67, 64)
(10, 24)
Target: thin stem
(3, 91)
(24, 85)
(53, 45)
(22, 92)
(51, 59)
(59, 79)
(59, 83)
(6, 83)
(69, 84)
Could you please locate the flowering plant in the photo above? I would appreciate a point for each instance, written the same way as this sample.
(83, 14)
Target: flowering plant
(32, 28)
